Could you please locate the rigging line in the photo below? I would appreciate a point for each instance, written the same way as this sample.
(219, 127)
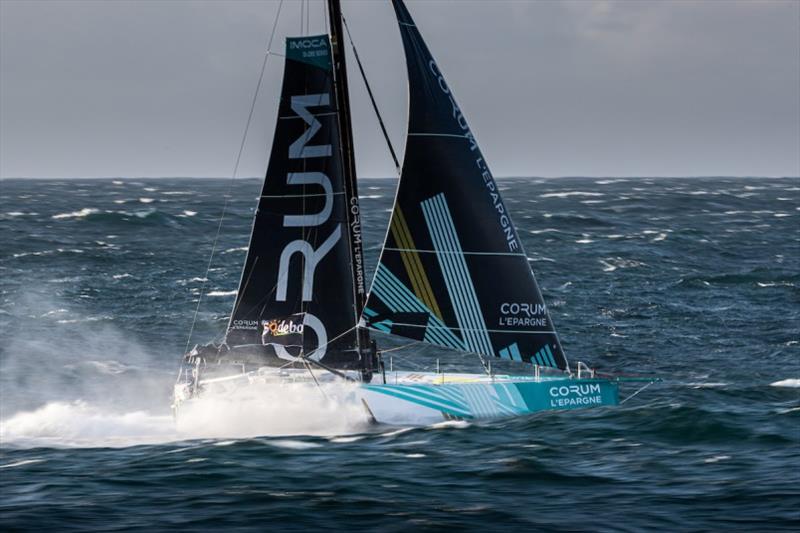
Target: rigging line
(233, 175)
(308, 367)
(635, 393)
(401, 347)
(371, 97)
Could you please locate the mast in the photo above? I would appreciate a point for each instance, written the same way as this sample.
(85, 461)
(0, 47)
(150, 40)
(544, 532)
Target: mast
(351, 186)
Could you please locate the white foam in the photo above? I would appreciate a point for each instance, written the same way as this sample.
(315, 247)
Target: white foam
(22, 463)
(189, 213)
(569, 193)
(239, 249)
(791, 382)
(294, 444)
(85, 212)
(222, 293)
(146, 200)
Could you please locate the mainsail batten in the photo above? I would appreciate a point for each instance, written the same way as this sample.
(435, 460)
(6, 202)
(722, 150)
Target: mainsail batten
(296, 295)
(453, 271)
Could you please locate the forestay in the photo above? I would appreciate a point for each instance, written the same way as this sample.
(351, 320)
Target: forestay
(453, 271)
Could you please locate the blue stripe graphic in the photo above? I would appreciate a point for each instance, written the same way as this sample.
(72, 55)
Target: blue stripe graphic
(398, 297)
(456, 275)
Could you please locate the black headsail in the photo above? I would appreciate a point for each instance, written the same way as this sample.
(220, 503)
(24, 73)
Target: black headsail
(453, 271)
(297, 294)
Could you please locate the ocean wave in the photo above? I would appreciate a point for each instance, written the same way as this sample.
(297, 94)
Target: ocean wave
(567, 194)
(222, 293)
(82, 213)
(793, 383)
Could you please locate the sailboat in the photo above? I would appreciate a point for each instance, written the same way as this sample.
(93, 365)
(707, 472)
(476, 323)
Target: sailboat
(452, 272)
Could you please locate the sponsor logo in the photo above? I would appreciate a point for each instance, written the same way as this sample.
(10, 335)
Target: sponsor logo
(523, 314)
(303, 149)
(283, 327)
(355, 231)
(244, 324)
(297, 44)
(575, 395)
(497, 202)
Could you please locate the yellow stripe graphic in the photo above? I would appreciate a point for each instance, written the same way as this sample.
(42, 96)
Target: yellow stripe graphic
(419, 281)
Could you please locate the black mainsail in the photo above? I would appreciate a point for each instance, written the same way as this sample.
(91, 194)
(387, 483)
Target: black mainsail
(297, 295)
(453, 271)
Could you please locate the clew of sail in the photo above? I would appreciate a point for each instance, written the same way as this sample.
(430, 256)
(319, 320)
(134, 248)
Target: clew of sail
(453, 271)
(296, 293)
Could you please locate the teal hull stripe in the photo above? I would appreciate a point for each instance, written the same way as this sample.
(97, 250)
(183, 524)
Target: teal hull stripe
(504, 353)
(457, 279)
(493, 400)
(406, 393)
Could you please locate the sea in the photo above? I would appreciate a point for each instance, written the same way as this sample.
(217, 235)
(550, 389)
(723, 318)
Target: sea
(695, 281)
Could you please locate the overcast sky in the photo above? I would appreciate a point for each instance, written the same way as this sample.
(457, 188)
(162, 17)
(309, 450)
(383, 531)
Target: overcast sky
(550, 88)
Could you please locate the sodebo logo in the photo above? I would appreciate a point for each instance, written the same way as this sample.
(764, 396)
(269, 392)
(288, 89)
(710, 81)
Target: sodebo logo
(283, 327)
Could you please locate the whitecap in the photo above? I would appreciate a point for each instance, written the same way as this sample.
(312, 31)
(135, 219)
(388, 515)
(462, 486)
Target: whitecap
(222, 293)
(458, 424)
(293, 444)
(791, 383)
(121, 276)
(584, 241)
(569, 193)
(21, 463)
(239, 249)
(189, 213)
(146, 200)
(345, 440)
(707, 385)
(118, 182)
(85, 212)
(609, 182)
(716, 458)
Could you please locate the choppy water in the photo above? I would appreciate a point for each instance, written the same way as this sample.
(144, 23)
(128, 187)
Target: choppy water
(697, 281)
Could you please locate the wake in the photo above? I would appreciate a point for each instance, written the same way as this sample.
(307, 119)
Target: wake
(254, 411)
